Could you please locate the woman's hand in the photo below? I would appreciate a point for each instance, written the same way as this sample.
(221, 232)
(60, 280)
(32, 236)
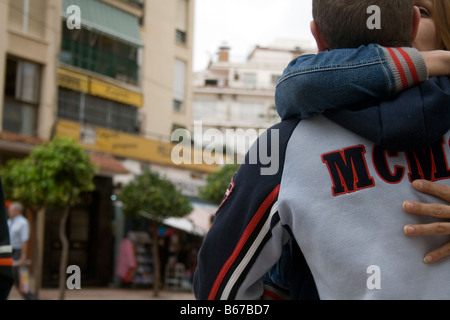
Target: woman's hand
(434, 210)
(438, 62)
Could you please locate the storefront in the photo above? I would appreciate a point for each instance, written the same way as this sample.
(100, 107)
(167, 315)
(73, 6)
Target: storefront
(179, 241)
(89, 229)
(90, 237)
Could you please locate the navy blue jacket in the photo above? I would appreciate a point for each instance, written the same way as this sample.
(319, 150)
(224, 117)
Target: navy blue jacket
(6, 277)
(411, 121)
(245, 223)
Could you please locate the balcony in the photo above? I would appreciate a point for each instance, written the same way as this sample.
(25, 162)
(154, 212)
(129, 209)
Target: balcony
(99, 61)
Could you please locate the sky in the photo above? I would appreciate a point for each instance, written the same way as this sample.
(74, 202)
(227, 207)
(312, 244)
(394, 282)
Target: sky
(243, 24)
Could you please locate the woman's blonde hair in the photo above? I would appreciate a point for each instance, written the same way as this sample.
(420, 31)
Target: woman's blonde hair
(442, 21)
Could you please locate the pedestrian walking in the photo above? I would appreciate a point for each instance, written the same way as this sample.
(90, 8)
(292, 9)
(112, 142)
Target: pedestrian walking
(19, 230)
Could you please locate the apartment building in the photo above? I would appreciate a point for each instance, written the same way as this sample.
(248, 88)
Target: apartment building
(238, 97)
(114, 75)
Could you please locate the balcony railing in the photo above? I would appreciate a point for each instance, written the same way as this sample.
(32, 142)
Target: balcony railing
(99, 61)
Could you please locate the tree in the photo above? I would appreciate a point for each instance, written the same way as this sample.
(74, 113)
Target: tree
(217, 183)
(156, 198)
(54, 174)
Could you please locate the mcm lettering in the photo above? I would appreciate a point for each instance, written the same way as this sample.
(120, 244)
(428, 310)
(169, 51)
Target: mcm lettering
(349, 171)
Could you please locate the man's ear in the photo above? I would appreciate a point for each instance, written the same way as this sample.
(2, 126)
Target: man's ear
(416, 22)
(322, 45)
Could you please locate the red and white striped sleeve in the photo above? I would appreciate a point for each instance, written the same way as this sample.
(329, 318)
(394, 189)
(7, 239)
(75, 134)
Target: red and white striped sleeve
(407, 66)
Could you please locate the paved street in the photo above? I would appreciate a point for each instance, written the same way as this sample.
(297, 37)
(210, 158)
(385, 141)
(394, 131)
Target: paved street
(107, 294)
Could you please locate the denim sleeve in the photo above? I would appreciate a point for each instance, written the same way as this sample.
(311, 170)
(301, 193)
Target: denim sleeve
(330, 80)
(411, 121)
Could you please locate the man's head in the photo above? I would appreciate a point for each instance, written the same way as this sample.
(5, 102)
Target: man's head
(343, 23)
(15, 209)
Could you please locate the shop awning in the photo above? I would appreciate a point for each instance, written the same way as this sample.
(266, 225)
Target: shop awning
(17, 143)
(108, 165)
(197, 222)
(106, 19)
(184, 225)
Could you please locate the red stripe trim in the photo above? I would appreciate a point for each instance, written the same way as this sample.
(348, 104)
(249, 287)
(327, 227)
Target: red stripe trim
(6, 262)
(411, 65)
(399, 68)
(272, 295)
(245, 236)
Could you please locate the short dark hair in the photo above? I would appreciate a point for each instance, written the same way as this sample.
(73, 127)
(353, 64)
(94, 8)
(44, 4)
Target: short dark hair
(343, 23)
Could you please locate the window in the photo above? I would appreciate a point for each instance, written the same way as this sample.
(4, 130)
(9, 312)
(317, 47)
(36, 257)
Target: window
(22, 88)
(177, 105)
(275, 79)
(250, 80)
(206, 110)
(89, 109)
(181, 21)
(28, 17)
(248, 111)
(179, 85)
(211, 82)
(180, 36)
(70, 105)
(177, 126)
(98, 53)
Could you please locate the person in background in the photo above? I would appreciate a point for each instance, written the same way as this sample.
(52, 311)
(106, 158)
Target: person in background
(19, 230)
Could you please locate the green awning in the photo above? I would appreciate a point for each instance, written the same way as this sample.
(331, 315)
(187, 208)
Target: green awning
(106, 19)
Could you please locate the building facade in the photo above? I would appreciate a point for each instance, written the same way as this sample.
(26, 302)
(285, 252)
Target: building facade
(237, 98)
(116, 76)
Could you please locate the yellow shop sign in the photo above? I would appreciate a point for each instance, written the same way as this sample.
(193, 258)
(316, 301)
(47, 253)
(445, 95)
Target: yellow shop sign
(125, 145)
(73, 80)
(79, 82)
(109, 91)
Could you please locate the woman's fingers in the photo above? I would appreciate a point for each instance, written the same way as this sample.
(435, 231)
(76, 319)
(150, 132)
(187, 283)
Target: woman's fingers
(437, 254)
(438, 228)
(437, 210)
(435, 189)
(429, 209)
